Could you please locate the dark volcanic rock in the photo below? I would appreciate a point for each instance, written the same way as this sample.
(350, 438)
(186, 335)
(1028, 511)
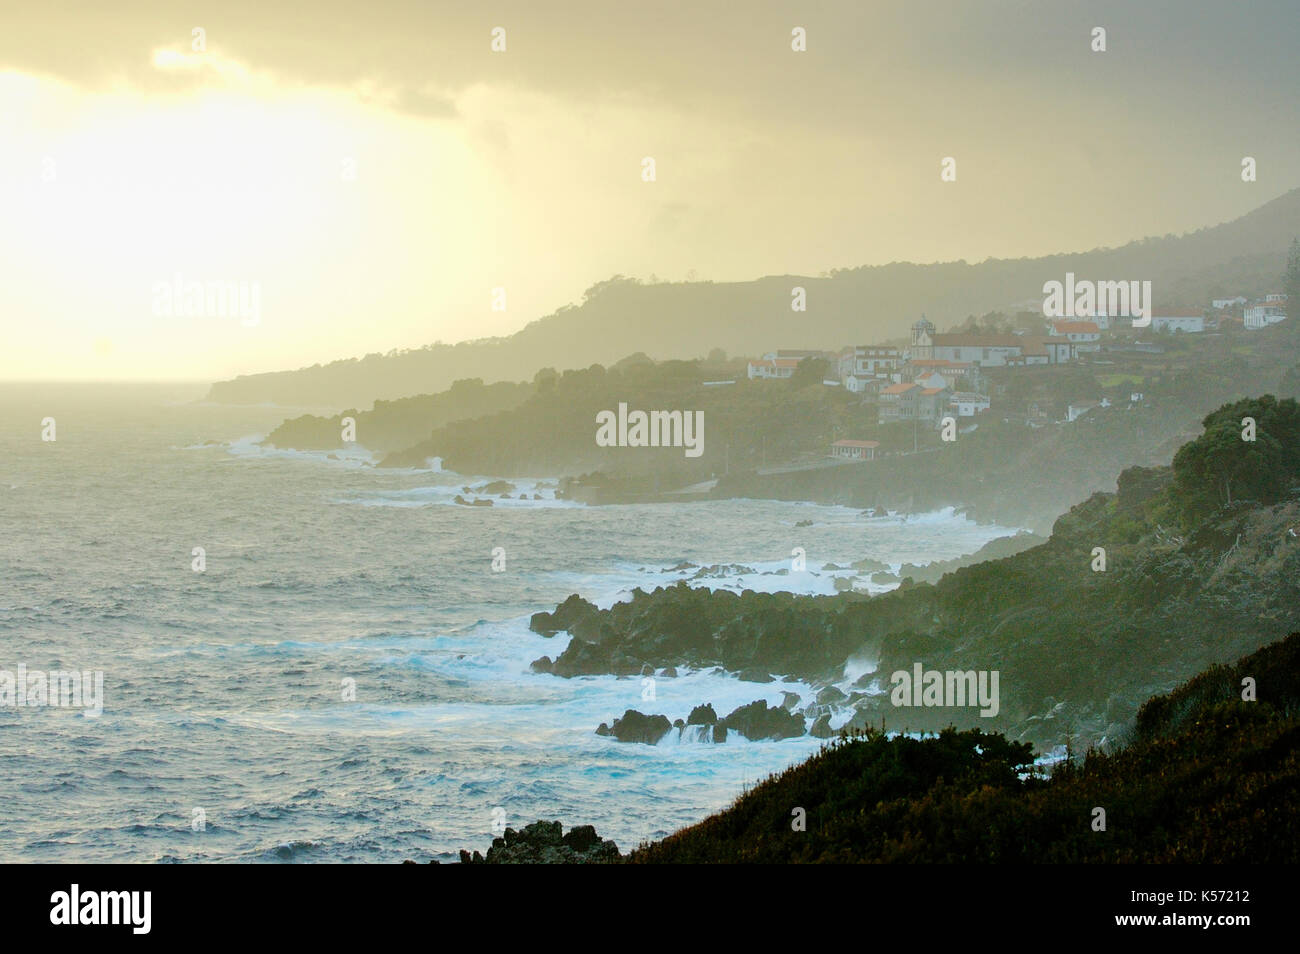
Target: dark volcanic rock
(639, 727)
(821, 729)
(542, 664)
(568, 614)
(702, 715)
(501, 487)
(754, 635)
(830, 694)
(584, 838)
(543, 842)
(759, 721)
(869, 565)
(723, 569)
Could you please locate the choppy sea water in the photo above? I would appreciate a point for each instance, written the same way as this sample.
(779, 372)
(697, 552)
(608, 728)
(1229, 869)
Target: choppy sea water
(223, 690)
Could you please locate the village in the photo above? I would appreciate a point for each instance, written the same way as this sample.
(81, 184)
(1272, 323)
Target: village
(967, 373)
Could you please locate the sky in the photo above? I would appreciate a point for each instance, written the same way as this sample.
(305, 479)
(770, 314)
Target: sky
(362, 177)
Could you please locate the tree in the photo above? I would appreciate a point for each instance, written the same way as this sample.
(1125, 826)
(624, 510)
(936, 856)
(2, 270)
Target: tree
(545, 379)
(810, 371)
(1220, 466)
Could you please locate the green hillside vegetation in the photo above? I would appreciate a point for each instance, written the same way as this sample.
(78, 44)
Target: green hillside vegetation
(1207, 778)
(769, 439)
(554, 431)
(1078, 647)
(392, 425)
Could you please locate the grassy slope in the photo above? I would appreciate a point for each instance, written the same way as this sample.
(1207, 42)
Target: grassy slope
(1207, 778)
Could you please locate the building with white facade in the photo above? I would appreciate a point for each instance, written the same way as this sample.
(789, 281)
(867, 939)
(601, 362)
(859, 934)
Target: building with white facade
(772, 368)
(1262, 315)
(1181, 323)
(854, 450)
(968, 404)
(1076, 331)
(987, 351)
(871, 360)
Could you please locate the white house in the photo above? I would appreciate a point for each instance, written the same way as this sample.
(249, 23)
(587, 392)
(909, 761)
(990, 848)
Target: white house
(1221, 303)
(1263, 315)
(988, 351)
(772, 368)
(1043, 349)
(1078, 332)
(854, 450)
(1189, 323)
(898, 402)
(871, 360)
(968, 404)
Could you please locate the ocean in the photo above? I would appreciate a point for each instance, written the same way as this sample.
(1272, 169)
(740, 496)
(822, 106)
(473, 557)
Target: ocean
(347, 678)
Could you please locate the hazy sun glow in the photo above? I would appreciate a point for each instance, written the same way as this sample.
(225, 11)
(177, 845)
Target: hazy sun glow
(379, 191)
(350, 219)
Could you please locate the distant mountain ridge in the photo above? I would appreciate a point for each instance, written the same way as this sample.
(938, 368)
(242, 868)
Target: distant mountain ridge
(686, 320)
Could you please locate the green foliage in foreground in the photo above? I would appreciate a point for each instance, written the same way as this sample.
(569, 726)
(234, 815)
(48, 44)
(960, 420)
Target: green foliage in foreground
(1207, 778)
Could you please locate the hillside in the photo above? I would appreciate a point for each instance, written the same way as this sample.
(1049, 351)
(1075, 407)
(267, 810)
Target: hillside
(1221, 786)
(769, 439)
(394, 425)
(1201, 565)
(870, 303)
(553, 433)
